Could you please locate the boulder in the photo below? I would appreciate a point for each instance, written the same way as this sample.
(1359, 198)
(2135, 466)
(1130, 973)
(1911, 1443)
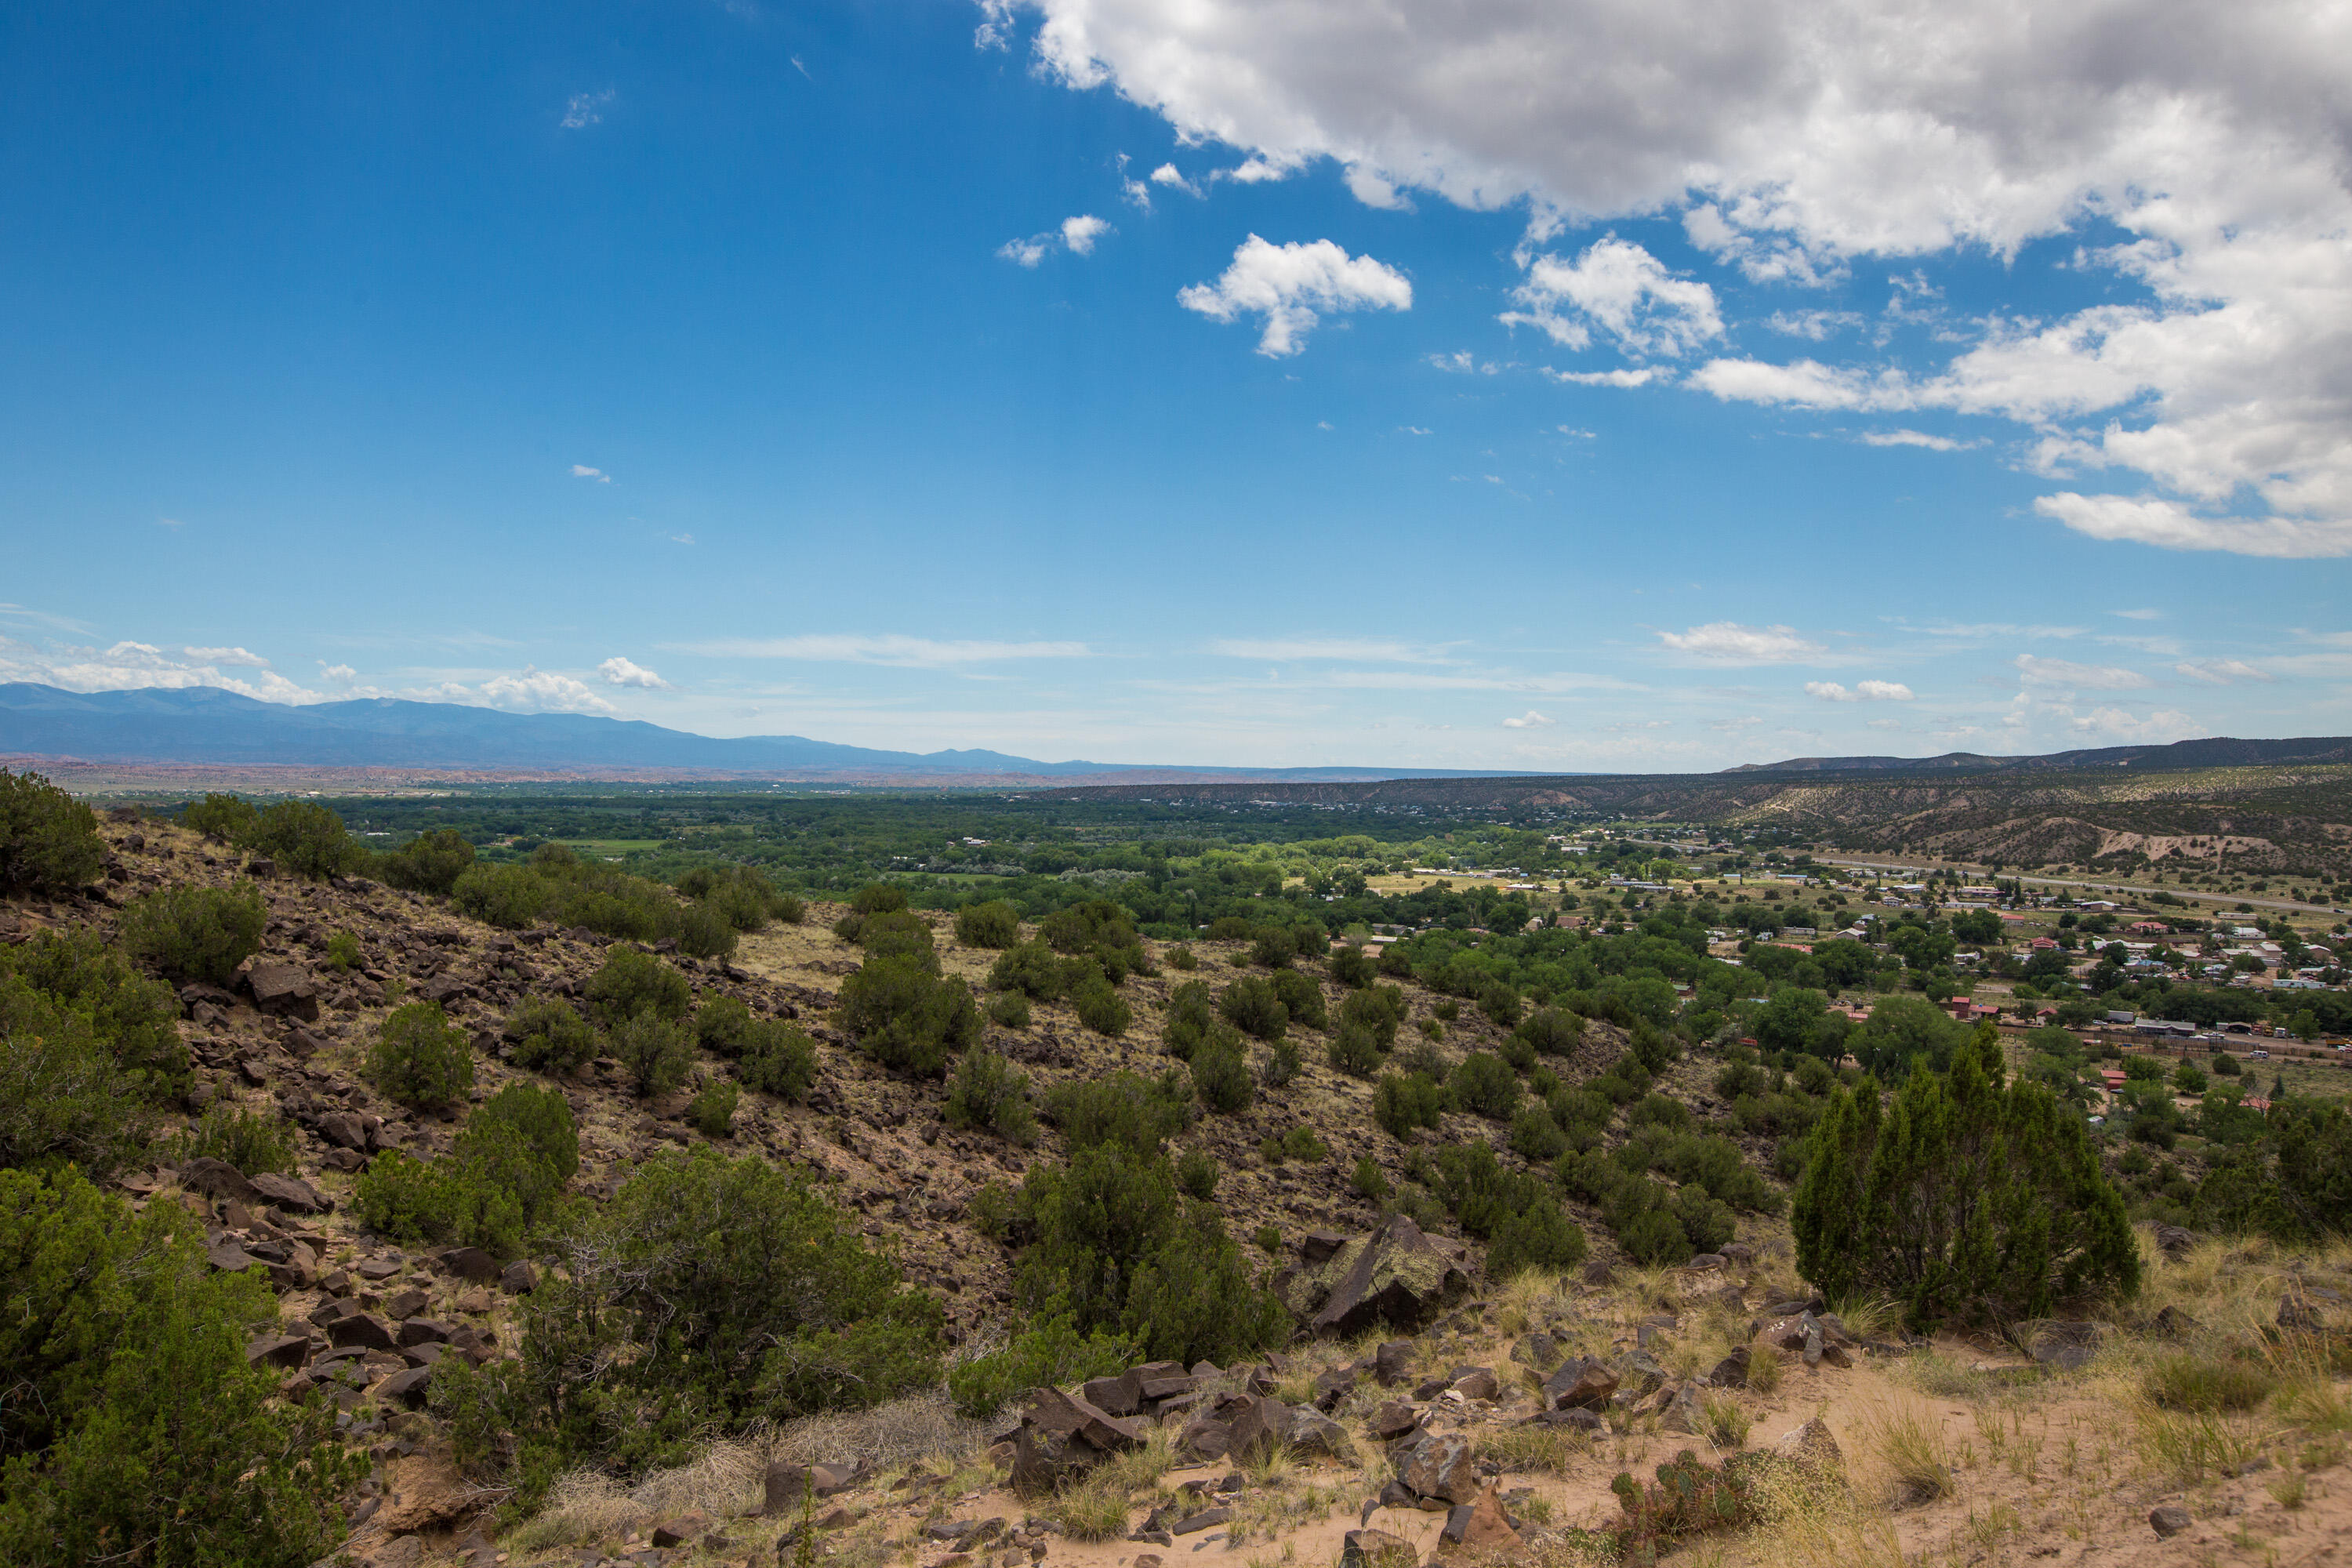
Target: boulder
(1392, 1362)
(1062, 1437)
(1392, 1420)
(406, 1303)
(1331, 1387)
(292, 1193)
(1376, 1549)
(2065, 1346)
(1536, 1349)
(469, 1263)
(1258, 1425)
(1731, 1372)
(1638, 1373)
(1397, 1276)
(1119, 1395)
(1814, 1447)
(230, 1258)
(1679, 1409)
(1584, 1421)
(1203, 1440)
(1316, 1246)
(2173, 1323)
(1314, 1434)
(1475, 1383)
(284, 991)
(1480, 1525)
(519, 1278)
(1437, 1465)
(784, 1483)
(406, 1388)
(215, 1179)
(1584, 1383)
(2168, 1520)
(424, 1331)
(288, 1352)
(2173, 1241)
(364, 1331)
(686, 1528)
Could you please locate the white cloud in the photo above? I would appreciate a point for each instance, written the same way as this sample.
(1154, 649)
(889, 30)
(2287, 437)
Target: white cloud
(1080, 232)
(619, 671)
(2197, 154)
(1728, 642)
(1604, 377)
(1913, 438)
(2139, 615)
(1621, 288)
(1169, 175)
(228, 656)
(2223, 671)
(538, 690)
(586, 109)
(1362, 650)
(906, 652)
(1860, 692)
(1461, 362)
(583, 471)
(1288, 285)
(337, 674)
(1373, 188)
(2119, 724)
(1817, 325)
(1530, 720)
(1077, 235)
(1025, 252)
(2038, 671)
(1735, 725)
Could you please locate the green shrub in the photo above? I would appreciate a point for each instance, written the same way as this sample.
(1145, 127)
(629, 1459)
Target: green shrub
(704, 932)
(405, 1199)
(631, 982)
(1302, 998)
(1182, 957)
(1298, 1144)
(1376, 1009)
(1029, 968)
(1272, 947)
(1120, 1250)
(1355, 1051)
(1657, 1109)
(1221, 1074)
(720, 1023)
(706, 1295)
(1252, 1005)
(711, 1111)
(1968, 1196)
(1500, 1002)
(1049, 1354)
(741, 896)
(63, 1097)
(1551, 1032)
(907, 1017)
(991, 924)
(550, 1036)
(1536, 1137)
(1403, 1101)
(1653, 1237)
(196, 934)
(1196, 1173)
(343, 953)
(1281, 1064)
(1191, 1017)
(123, 1353)
(227, 817)
(778, 1058)
(1099, 930)
(899, 933)
(48, 840)
(137, 1018)
(508, 897)
(1123, 1109)
(1484, 1085)
(1351, 968)
(987, 1092)
(1100, 1007)
(543, 1119)
(306, 838)
(1477, 1189)
(428, 863)
(251, 1140)
(657, 1051)
(1268, 1239)
(1538, 1236)
(1368, 1180)
(1009, 1009)
(420, 1059)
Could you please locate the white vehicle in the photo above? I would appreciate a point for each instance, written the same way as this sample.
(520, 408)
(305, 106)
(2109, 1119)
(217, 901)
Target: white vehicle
(2257, 1056)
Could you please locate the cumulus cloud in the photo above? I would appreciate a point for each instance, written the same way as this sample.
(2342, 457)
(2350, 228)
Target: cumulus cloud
(1172, 178)
(619, 671)
(237, 656)
(1860, 692)
(1530, 720)
(912, 653)
(586, 109)
(539, 690)
(2221, 671)
(1289, 285)
(2038, 671)
(583, 471)
(2165, 724)
(1728, 642)
(1077, 235)
(138, 667)
(337, 674)
(1622, 289)
(2197, 153)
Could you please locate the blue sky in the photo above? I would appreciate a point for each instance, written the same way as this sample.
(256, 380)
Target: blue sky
(1149, 382)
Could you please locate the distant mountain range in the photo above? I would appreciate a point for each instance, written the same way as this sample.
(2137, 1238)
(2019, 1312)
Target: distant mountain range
(2213, 752)
(208, 727)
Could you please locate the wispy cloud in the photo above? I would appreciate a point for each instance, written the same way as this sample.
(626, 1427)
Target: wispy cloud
(1530, 720)
(1362, 650)
(2038, 671)
(1913, 438)
(903, 652)
(1077, 235)
(235, 657)
(1604, 377)
(585, 109)
(2139, 615)
(1860, 692)
(2223, 671)
(1728, 642)
(583, 471)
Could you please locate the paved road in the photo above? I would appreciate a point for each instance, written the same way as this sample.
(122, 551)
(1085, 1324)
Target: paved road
(2232, 898)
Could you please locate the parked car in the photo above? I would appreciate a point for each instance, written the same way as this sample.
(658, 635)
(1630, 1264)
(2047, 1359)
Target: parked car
(2258, 1054)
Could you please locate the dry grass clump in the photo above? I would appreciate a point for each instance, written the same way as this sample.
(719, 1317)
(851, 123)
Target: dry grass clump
(1140, 1469)
(1766, 1364)
(2200, 1384)
(914, 1427)
(2189, 1446)
(586, 1505)
(1909, 1443)
(1534, 1450)
(1094, 1510)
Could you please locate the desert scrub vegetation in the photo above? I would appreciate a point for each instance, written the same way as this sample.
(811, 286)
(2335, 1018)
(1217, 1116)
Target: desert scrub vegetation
(125, 1353)
(549, 1035)
(421, 1059)
(253, 1141)
(708, 1295)
(196, 933)
(987, 1092)
(1967, 1196)
(48, 840)
(502, 1180)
